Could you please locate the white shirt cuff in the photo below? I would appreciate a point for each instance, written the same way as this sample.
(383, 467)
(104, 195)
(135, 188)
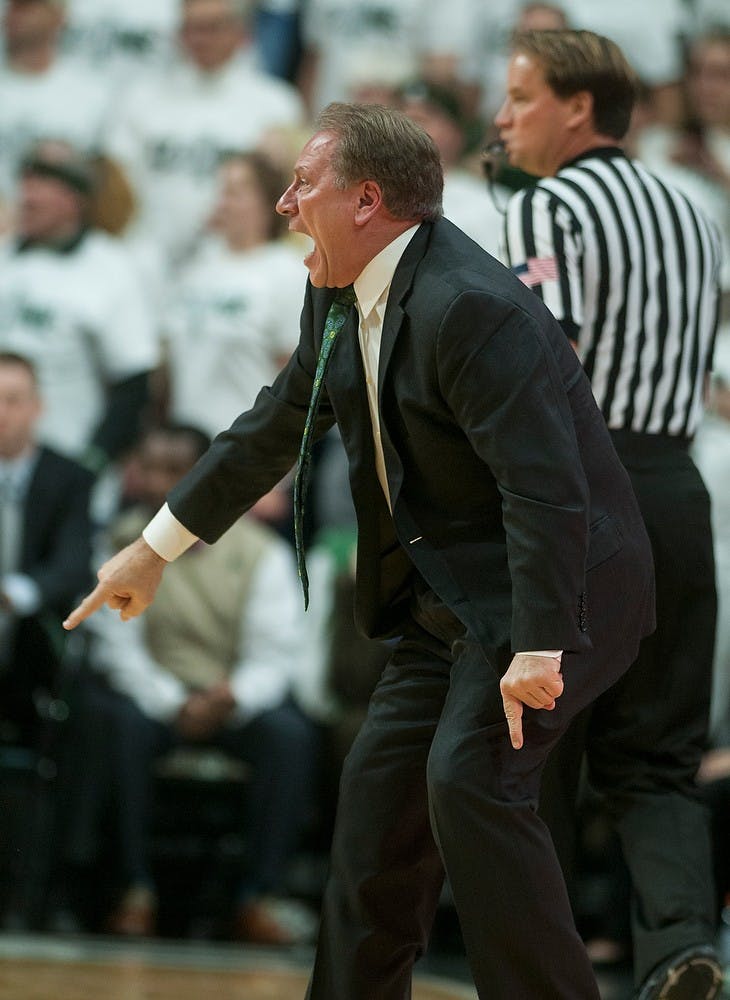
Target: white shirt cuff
(556, 654)
(167, 536)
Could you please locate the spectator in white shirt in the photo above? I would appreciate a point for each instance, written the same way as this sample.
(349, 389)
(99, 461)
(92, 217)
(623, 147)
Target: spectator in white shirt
(232, 318)
(171, 130)
(43, 93)
(428, 35)
(121, 40)
(72, 301)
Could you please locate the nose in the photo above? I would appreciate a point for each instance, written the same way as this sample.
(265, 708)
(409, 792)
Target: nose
(501, 119)
(286, 205)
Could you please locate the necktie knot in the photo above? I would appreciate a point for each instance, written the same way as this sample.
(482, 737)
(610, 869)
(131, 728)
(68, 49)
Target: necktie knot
(346, 296)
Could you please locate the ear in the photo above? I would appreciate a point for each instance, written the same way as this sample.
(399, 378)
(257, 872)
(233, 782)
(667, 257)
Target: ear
(581, 109)
(369, 202)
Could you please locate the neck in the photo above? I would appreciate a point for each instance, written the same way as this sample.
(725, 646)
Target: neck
(36, 58)
(242, 242)
(62, 238)
(382, 237)
(578, 147)
(212, 70)
(13, 453)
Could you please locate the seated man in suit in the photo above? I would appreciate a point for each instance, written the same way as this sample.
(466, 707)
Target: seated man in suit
(45, 551)
(210, 665)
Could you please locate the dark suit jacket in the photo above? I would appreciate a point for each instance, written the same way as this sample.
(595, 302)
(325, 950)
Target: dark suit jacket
(56, 542)
(56, 553)
(56, 547)
(505, 487)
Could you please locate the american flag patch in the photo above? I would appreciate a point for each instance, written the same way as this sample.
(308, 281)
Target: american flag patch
(536, 270)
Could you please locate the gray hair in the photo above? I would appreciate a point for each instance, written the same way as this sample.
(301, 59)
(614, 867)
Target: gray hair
(384, 145)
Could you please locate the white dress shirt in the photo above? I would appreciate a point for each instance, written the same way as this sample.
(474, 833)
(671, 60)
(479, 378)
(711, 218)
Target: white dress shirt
(372, 288)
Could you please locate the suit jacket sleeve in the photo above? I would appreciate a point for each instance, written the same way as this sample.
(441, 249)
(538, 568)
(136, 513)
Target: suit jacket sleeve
(545, 250)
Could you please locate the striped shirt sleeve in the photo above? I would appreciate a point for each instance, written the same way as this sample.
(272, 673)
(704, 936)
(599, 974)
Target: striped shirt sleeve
(543, 248)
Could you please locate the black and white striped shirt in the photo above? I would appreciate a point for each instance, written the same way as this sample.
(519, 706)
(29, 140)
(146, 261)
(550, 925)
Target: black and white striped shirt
(630, 268)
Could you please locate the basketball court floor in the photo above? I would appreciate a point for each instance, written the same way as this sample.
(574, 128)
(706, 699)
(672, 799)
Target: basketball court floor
(44, 967)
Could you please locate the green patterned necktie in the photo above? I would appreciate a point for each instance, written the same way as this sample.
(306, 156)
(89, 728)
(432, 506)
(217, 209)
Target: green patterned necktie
(336, 318)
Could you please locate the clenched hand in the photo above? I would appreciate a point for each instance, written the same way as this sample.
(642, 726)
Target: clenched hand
(530, 680)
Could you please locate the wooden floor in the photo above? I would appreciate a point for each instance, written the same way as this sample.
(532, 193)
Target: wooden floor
(72, 972)
(43, 980)
(45, 967)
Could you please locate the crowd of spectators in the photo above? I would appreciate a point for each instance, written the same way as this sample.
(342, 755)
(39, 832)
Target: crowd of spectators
(151, 289)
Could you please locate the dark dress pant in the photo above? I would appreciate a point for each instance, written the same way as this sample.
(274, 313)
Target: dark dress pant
(644, 738)
(431, 787)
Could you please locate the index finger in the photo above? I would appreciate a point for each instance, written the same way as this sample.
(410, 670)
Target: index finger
(91, 603)
(513, 714)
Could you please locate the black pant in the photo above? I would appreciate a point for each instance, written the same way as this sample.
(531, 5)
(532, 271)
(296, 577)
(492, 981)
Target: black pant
(645, 736)
(30, 666)
(433, 786)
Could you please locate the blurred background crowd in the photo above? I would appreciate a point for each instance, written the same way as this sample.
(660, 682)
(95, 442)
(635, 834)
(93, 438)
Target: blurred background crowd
(176, 775)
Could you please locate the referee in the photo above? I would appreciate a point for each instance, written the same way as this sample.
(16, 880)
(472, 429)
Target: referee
(630, 269)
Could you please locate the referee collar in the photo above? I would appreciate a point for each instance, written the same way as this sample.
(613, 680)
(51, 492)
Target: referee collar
(600, 152)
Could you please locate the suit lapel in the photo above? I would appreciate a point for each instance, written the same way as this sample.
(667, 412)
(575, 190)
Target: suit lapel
(346, 387)
(392, 324)
(400, 286)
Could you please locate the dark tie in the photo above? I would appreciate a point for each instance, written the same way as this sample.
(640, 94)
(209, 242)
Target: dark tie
(336, 318)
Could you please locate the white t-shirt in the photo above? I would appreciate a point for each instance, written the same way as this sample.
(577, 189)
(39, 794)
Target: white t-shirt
(710, 14)
(341, 31)
(231, 317)
(171, 131)
(486, 56)
(649, 33)
(67, 102)
(468, 204)
(83, 320)
(121, 39)
(654, 148)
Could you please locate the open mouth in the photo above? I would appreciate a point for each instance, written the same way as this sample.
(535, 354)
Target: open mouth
(311, 254)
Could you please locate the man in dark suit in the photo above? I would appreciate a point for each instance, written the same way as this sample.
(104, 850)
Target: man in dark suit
(45, 550)
(499, 541)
